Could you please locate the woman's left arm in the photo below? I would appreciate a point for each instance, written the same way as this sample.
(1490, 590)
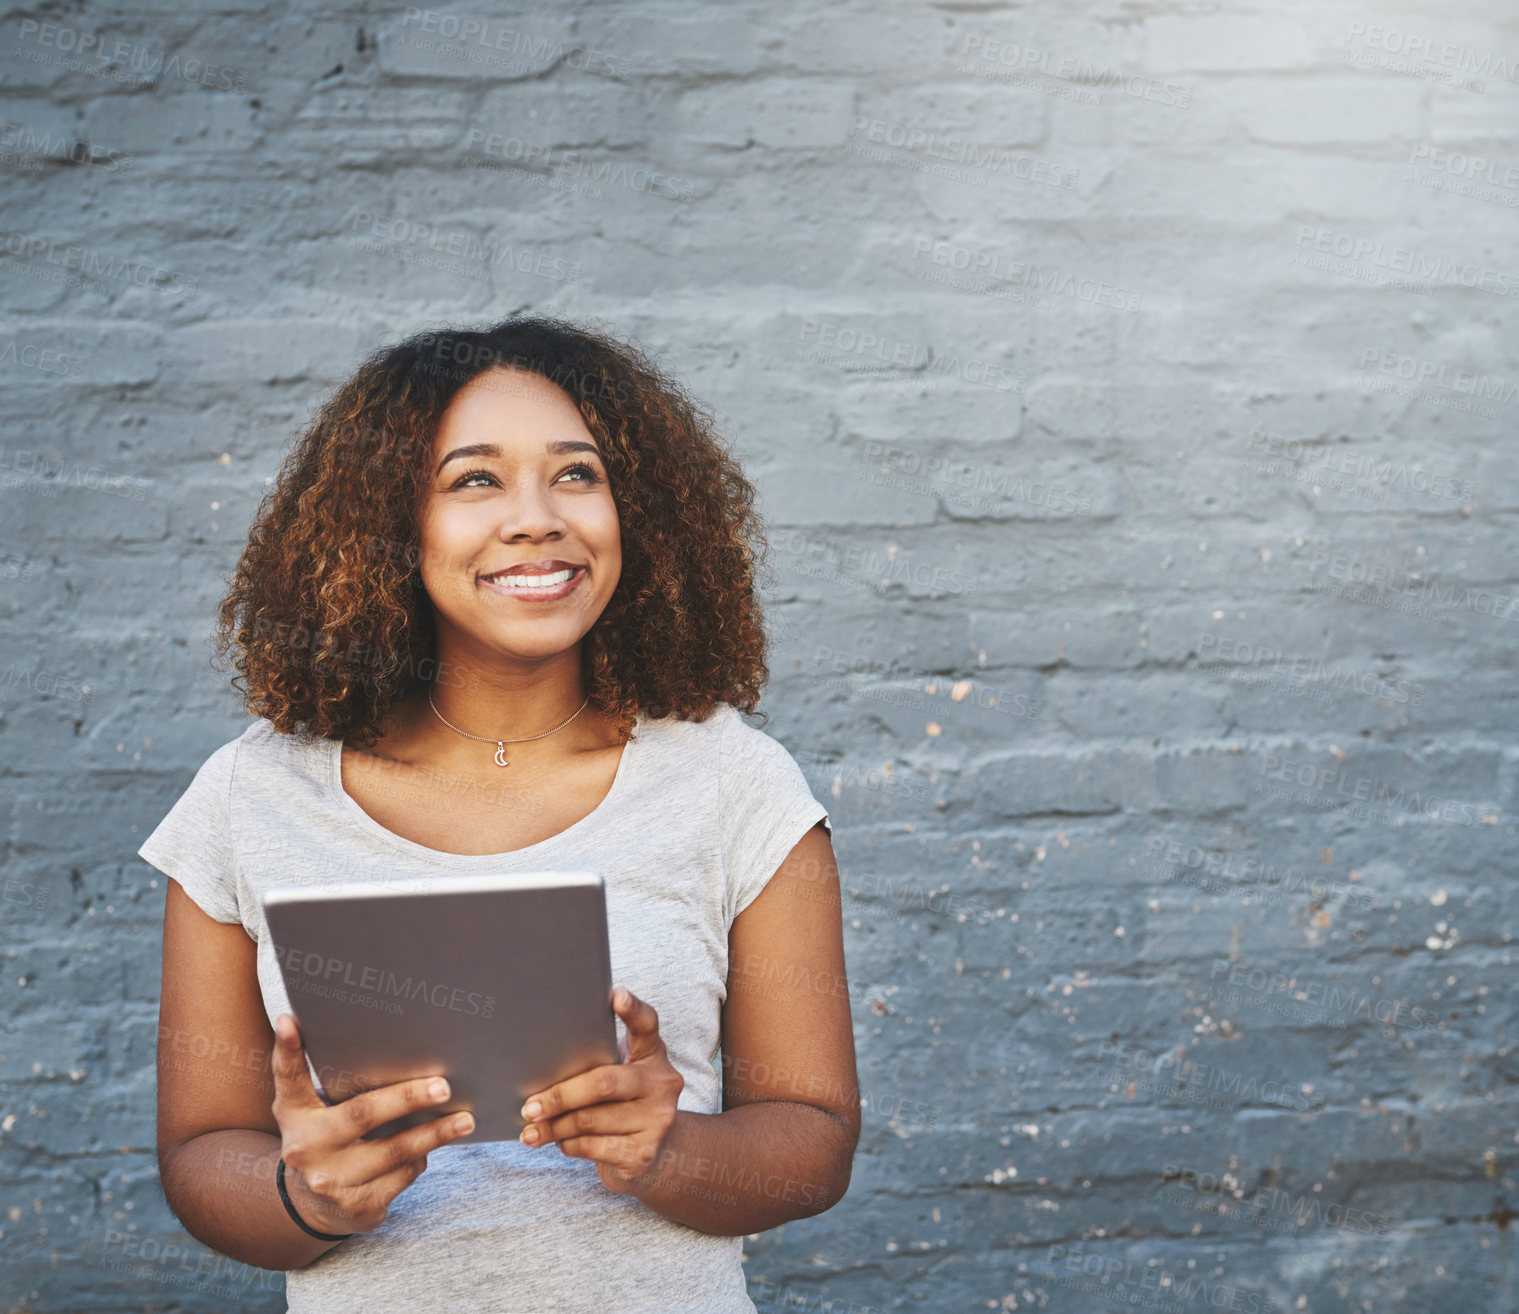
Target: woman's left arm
(783, 1146)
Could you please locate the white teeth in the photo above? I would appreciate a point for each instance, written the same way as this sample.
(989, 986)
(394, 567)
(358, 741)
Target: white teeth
(534, 581)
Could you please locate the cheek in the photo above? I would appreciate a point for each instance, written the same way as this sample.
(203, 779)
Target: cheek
(604, 529)
(452, 538)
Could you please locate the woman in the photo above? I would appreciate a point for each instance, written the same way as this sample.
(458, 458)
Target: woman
(498, 614)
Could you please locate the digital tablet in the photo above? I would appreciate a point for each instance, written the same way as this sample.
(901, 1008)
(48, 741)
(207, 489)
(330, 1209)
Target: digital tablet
(502, 984)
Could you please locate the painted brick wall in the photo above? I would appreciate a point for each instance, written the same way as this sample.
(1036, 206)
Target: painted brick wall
(1129, 388)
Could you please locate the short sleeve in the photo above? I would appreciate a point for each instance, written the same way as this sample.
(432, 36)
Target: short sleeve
(193, 844)
(765, 806)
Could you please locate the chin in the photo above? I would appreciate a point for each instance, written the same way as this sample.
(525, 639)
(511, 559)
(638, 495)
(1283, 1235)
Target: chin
(530, 641)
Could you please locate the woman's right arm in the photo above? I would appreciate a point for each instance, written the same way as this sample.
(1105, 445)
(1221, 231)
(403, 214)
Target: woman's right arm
(232, 1100)
(218, 1141)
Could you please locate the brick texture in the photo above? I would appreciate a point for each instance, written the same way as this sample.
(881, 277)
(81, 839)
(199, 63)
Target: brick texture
(1127, 387)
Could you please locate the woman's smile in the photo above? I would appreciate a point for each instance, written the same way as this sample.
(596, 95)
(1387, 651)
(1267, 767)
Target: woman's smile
(535, 585)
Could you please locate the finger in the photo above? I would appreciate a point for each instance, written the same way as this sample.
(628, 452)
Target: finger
(622, 1152)
(611, 1081)
(641, 1021)
(287, 1064)
(617, 1119)
(354, 1118)
(374, 1161)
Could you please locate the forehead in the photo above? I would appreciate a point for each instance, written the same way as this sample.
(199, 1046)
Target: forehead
(511, 405)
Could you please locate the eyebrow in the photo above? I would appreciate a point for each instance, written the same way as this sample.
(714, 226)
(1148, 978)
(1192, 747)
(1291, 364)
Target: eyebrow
(559, 447)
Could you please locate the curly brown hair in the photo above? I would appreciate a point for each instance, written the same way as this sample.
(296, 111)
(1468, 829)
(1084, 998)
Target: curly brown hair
(325, 618)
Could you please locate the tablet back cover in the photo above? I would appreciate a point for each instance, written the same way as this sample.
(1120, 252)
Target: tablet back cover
(504, 991)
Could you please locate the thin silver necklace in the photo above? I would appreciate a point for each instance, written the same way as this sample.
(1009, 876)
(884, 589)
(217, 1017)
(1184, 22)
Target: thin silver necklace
(502, 743)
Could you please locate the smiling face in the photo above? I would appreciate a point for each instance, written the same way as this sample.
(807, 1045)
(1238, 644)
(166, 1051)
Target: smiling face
(521, 544)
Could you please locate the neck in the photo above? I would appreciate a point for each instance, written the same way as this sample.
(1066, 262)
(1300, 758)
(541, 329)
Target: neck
(497, 703)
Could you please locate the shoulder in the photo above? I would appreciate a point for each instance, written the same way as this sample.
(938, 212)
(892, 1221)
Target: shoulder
(749, 755)
(261, 752)
(735, 753)
(724, 728)
(722, 739)
(683, 735)
(738, 736)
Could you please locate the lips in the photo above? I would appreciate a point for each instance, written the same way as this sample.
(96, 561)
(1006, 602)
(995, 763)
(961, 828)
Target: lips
(537, 581)
(533, 571)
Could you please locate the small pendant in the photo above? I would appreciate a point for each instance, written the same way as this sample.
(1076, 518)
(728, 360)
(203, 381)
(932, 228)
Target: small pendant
(501, 755)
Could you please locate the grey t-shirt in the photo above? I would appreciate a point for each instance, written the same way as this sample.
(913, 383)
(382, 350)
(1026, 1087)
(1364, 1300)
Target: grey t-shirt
(698, 818)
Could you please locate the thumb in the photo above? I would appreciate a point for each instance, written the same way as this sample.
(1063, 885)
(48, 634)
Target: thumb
(642, 1023)
(292, 1078)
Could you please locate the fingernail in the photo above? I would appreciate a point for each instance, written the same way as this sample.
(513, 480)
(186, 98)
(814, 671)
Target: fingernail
(464, 1123)
(531, 1109)
(439, 1089)
(530, 1134)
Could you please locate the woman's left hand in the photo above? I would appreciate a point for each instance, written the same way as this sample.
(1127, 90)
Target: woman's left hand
(616, 1115)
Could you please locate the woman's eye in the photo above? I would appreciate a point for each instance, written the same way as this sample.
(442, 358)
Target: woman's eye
(467, 479)
(485, 479)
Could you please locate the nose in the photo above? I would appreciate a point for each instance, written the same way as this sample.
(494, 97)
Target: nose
(528, 512)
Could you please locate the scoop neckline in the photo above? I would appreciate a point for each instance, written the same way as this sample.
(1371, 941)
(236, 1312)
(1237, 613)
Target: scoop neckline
(346, 801)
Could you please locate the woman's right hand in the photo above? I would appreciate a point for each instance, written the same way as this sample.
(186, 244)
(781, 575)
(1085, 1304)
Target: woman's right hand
(337, 1181)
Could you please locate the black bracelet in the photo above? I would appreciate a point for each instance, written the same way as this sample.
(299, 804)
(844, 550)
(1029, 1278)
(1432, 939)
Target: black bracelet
(279, 1178)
